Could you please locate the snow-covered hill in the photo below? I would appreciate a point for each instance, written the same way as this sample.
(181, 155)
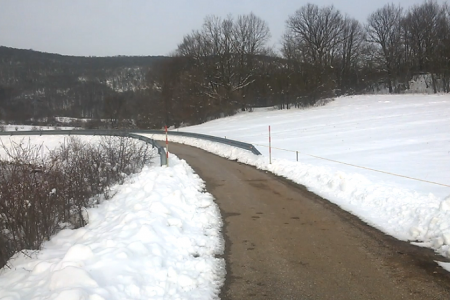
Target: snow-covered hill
(404, 134)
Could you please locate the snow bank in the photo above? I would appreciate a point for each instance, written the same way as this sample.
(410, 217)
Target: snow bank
(157, 238)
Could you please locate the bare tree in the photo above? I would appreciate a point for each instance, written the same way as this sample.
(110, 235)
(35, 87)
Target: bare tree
(425, 25)
(314, 38)
(351, 48)
(444, 47)
(384, 30)
(251, 35)
(115, 109)
(224, 51)
(318, 31)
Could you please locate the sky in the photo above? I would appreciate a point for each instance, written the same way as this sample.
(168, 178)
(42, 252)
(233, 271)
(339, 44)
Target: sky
(142, 27)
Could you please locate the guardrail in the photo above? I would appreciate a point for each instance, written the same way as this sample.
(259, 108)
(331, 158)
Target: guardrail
(242, 145)
(121, 133)
(135, 134)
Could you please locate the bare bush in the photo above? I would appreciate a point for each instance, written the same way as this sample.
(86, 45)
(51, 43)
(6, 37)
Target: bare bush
(42, 194)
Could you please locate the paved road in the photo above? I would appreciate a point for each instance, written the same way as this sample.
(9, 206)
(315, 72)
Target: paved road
(283, 242)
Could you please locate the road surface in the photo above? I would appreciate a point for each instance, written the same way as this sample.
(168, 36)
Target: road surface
(284, 242)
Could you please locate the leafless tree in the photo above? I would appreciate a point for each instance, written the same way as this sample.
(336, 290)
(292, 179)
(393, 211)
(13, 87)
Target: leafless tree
(223, 51)
(444, 47)
(317, 31)
(325, 44)
(115, 109)
(425, 26)
(352, 45)
(251, 35)
(384, 30)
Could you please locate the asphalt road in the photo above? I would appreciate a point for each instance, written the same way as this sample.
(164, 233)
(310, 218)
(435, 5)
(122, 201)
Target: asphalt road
(284, 242)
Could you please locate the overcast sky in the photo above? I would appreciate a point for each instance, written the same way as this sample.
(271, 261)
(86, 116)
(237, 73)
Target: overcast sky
(141, 27)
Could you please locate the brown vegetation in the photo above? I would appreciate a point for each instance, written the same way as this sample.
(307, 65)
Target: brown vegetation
(42, 194)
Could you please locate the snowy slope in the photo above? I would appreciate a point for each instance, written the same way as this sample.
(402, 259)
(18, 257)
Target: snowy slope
(407, 135)
(157, 238)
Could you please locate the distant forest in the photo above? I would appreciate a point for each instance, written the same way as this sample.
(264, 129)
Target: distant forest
(227, 65)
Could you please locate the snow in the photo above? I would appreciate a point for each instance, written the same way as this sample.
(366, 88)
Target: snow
(82, 120)
(157, 238)
(445, 266)
(47, 142)
(11, 127)
(403, 134)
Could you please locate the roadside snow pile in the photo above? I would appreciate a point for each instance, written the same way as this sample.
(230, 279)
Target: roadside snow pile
(407, 135)
(157, 238)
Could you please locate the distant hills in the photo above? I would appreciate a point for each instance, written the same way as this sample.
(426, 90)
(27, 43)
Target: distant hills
(36, 85)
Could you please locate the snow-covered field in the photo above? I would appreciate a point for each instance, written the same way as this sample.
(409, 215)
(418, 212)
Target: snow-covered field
(408, 135)
(30, 127)
(157, 238)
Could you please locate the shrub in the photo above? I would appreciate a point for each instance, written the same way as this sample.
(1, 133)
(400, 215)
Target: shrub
(40, 195)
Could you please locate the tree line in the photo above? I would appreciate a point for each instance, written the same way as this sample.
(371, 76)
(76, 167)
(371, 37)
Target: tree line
(227, 65)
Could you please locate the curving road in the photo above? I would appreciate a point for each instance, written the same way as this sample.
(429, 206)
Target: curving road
(283, 242)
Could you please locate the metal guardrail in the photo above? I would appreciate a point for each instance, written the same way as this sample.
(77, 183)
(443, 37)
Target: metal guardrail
(135, 134)
(242, 145)
(121, 133)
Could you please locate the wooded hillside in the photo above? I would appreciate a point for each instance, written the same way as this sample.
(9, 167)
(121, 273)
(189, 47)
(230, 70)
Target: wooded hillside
(227, 65)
